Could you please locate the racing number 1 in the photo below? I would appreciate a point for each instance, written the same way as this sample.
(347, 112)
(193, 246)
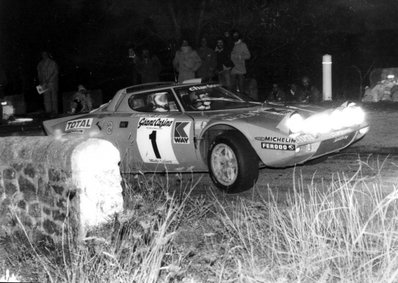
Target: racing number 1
(152, 137)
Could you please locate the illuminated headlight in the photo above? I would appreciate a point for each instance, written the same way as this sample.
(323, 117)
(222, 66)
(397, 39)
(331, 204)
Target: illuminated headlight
(295, 123)
(3, 103)
(317, 124)
(357, 115)
(347, 117)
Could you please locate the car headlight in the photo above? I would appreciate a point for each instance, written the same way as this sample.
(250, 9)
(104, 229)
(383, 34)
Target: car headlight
(317, 124)
(295, 123)
(357, 115)
(349, 116)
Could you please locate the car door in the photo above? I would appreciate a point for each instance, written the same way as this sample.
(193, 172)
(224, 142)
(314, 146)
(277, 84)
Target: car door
(158, 141)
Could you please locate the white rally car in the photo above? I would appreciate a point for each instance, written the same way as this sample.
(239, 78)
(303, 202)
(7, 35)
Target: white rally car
(199, 127)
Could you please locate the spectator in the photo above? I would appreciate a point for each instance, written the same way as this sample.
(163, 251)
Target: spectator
(186, 62)
(47, 71)
(295, 94)
(207, 70)
(148, 66)
(81, 101)
(132, 68)
(224, 64)
(240, 53)
(311, 93)
(277, 94)
(228, 42)
(3, 82)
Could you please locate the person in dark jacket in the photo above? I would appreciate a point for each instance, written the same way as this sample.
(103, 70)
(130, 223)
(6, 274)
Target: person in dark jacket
(47, 72)
(224, 64)
(207, 69)
(148, 66)
(295, 94)
(310, 92)
(277, 94)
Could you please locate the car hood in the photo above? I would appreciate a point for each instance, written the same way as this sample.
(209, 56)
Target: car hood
(275, 117)
(270, 113)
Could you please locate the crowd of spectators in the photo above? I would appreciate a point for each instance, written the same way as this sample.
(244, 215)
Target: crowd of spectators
(225, 63)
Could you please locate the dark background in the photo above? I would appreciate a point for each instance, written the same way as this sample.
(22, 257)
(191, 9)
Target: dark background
(90, 39)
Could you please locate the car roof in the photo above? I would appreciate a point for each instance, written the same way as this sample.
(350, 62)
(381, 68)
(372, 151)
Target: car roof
(149, 86)
(146, 87)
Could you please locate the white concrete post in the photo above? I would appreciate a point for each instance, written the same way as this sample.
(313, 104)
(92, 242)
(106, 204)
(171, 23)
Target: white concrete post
(327, 77)
(95, 171)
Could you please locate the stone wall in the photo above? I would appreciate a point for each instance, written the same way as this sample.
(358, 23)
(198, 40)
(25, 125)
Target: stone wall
(49, 184)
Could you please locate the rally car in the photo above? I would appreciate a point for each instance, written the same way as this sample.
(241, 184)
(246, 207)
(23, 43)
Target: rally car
(196, 127)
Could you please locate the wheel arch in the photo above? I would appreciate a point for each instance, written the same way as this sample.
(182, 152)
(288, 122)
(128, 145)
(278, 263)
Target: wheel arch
(212, 132)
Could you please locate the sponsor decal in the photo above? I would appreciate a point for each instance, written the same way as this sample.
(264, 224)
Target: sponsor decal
(109, 127)
(154, 140)
(278, 146)
(275, 139)
(305, 138)
(79, 124)
(155, 122)
(123, 124)
(193, 88)
(340, 138)
(181, 132)
(76, 131)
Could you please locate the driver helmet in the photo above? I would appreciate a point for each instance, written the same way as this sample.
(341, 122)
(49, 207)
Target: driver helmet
(160, 102)
(201, 101)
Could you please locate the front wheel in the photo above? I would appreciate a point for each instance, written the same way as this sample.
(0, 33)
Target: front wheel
(232, 162)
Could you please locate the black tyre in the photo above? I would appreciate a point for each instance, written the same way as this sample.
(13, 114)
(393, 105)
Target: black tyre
(232, 162)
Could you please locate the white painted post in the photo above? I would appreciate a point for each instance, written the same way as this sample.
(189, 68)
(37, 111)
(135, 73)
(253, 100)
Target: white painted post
(327, 77)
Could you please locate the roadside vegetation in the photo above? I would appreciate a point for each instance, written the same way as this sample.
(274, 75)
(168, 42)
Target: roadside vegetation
(342, 231)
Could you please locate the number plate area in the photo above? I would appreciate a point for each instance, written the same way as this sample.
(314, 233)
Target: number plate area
(154, 140)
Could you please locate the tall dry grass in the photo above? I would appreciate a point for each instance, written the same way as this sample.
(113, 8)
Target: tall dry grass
(342, 231)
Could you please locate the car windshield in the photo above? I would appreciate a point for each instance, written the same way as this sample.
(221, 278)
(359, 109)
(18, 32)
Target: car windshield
(210, 97)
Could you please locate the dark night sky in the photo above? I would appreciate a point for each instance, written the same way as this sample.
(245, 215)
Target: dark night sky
(361, 33)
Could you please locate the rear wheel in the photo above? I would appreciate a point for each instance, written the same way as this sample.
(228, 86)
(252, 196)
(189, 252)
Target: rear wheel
(232, 162)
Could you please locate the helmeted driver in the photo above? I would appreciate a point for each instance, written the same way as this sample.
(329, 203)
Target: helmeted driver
(200, 101)
(160, 102)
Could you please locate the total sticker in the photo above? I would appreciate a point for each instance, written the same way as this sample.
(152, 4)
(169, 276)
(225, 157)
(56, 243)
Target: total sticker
(79, 124)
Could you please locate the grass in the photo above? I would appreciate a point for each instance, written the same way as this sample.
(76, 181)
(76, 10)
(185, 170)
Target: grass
(342, 231)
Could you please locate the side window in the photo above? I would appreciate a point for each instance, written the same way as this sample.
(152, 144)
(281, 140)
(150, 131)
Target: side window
(159, 101)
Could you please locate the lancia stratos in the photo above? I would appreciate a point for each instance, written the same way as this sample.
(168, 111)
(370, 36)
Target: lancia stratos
(198, 127)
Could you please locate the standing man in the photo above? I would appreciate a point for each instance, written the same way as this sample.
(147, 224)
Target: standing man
(47, 71)
(148, 66)
(224, 64)
(209, 61)
(186, 62)
(240, 53)
(310, 92)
